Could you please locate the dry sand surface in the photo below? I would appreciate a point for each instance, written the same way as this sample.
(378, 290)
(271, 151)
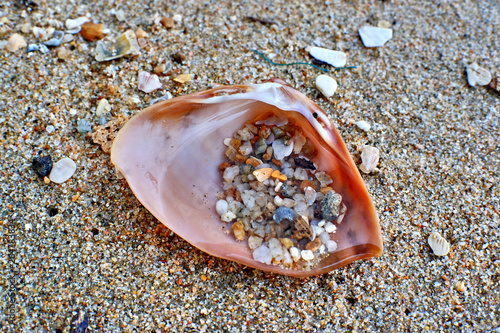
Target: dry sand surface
(84, 255)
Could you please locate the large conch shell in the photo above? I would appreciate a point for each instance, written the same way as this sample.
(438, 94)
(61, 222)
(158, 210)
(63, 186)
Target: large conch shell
(170, 153)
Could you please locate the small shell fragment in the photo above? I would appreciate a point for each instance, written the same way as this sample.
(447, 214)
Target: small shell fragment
(126, 44)
(438, 244)
(102, 108)
(334, 58)
(148, 82)
(477, 75)
(373, 36)
(363, 125)
(326, 85)
(74, 26)
(56, 40)
(369, 157)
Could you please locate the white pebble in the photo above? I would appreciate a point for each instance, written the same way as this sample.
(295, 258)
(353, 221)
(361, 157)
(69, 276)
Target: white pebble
(331, 245)
(477, 75)
(373, 36)
(295, 253)
(103, 107)
(310, 195)
(288, 203)
(278, 201)
(62, 170)
(228, 217)
(254, 242)
(307, 254)
(300, 208)
(363, 125)
(230, 173)
(369, 157)
(280, 150)
(246, 148)
(262, 254)
(326, 85)
(331, 57)
(301, 174)
(330, 227)
(50, 129)
(221, 207)
(321, 223)
(438, 244)
(276, 248)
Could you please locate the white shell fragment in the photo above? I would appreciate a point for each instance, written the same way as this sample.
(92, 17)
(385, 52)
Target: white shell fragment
(369, 157)
(477, 75)
(438, 244)
(373, 36)
(125, 44)
(334, 58)
(363, 125)
(103, 107)
(56, 39)
(74, 26)
(326, 84)
(148, 82)
(62, 170)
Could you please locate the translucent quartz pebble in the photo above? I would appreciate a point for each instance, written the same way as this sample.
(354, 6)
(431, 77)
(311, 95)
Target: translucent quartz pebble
(438, 244)
(62, 170)
(334, 58)
(477, 75)
(281, 150)
(221, 207)
(283, 213)
(262, 254)
(373, 36)
(326, 85)
(369, 157)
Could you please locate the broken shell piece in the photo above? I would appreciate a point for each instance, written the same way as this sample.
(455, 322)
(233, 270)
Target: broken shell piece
(74, 26)
(334, 58)
(477, 75)
(370, 157)
(103, 107)
(373, 36)
(126, 44)
(56, 39)
(363, 125)
(438, 244)
(16, 41)
(326, 84)
(170, 155)
(148, 82)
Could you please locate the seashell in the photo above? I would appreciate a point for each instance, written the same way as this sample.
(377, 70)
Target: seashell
(56, 39)
(125, 44)
(170, 155)
(477, 75)
(438, 244)
(74, 26)
(373, 36)
(334, 58)
(369, 157)
(148, 82)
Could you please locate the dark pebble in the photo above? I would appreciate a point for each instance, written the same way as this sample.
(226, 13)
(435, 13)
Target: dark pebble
(246, 169)
(278, 132)
(178, 57)
(283, 213)
(330, 206)
(303, 163)
(52, 211)
(260, 146)
(42, 165)
(95, 231)
(287, 190)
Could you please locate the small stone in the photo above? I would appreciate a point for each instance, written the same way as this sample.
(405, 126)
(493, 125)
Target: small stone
(112, 89)
(310, 194)
(177, 18)
(221, 207)
(287, 190)
(295, 253)
(369, 158)
(363, 125)
(63, 53)
(178, 57)
(238, 230)
(56, 40)
(148, 82)
(126, 44)
(460, 286)
(333, 58)
(260, 146)
(140, 33)
(42, 165)
(326, 85)
(495, 84)
(91, 31)
(286, 242)
(245, 148)
(16, 41)
(373, 36)
(307, 255)
(120, 15)
(313, 245)
(278, 175)
(263, 174)
(230, 173)
(183, 78)
(246, 169)
(281, 150)
(228, 216)
(275, 249)
(477, 75)
(331, 245)
(438, 244)
(160, 69)
(283, 213)
(102, 108)
(323, 178)
(62, 170)
(330, 206)
(303, 163)
(167, 22)
(254, 242)
(262, 254)
(330, 227)
(384, 24)
(83, 126)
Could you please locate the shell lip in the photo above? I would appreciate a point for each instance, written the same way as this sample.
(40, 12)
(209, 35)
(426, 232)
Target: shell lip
(154, 118)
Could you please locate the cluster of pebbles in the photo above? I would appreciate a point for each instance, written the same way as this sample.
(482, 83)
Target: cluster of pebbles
(275, 199)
